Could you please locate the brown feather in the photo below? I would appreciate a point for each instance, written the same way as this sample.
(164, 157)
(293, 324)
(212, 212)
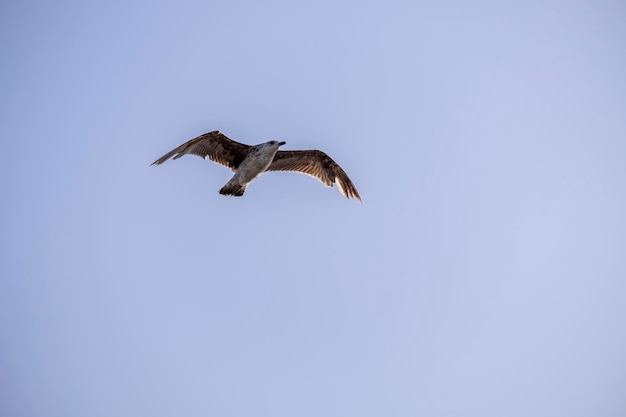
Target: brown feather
(316, 164)
(213, 145)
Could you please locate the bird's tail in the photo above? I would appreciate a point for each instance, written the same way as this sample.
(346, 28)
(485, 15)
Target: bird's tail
(234, 189)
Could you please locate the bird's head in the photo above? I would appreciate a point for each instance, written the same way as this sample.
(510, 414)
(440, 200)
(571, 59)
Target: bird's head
(269, 146)
(275, 143)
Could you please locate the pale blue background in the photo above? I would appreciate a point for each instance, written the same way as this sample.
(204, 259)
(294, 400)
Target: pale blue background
(483, 275)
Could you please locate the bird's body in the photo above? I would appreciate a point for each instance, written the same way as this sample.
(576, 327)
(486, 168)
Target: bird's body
(248, 162)
(258, 160)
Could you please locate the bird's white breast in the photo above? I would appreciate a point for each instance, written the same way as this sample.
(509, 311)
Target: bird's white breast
(256, 163)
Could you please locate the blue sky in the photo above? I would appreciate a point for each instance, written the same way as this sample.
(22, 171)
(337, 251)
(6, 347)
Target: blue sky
(483, 275)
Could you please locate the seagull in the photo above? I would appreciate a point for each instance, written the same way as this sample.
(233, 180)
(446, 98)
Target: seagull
(248, 162)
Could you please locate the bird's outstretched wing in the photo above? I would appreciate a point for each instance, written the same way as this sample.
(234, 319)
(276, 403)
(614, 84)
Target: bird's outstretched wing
(316, 164)
(213, 145)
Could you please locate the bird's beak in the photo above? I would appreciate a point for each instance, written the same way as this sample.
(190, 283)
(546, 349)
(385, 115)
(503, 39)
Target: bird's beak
(281, 143)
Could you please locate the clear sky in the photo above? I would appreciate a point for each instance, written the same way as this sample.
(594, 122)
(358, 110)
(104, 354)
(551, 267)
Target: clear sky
(483, 275)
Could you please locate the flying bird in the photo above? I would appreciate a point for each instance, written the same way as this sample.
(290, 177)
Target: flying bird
(248, 162)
